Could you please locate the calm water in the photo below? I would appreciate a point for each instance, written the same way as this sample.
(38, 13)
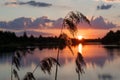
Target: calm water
(101, 63)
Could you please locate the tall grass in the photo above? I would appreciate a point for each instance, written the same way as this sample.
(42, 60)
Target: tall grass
(71, 20)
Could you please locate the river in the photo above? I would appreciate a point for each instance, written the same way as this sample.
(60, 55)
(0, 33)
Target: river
(102, 63)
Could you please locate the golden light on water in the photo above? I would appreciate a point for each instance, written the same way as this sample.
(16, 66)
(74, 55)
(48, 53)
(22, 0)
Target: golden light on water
(80, 48)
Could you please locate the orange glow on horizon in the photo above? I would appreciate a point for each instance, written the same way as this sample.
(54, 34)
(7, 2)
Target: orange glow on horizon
(85, 33)
(80, 37)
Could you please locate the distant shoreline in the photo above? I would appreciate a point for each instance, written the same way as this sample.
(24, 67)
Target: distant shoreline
(9, 39)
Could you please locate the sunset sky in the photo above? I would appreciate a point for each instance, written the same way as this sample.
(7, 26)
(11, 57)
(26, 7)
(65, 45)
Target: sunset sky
(45, 16)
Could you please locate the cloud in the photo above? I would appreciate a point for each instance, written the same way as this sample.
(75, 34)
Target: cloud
(104, 7)
(108, 0)
(13, 0)
(101, 23)
(112, 0)
(28, 23)
(17, 24)
(31, 3)
(44, 22)
(98, 23)
(105, 76)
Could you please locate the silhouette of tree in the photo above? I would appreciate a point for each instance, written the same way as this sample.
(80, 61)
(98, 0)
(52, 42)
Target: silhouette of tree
(7, 37)
(112, 38)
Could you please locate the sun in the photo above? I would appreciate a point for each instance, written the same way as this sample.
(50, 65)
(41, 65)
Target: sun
(80, 37)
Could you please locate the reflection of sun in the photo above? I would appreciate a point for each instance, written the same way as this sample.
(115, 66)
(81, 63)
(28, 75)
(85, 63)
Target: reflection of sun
(80, 37)
(80, 48)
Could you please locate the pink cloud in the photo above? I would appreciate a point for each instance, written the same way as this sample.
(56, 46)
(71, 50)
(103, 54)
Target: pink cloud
(43, 22)
(109, 0)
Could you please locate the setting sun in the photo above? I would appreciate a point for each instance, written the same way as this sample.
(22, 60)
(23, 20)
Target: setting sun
(80, 37)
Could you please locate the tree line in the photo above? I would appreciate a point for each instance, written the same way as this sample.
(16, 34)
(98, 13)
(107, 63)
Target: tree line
(10, 38)
(112, 37)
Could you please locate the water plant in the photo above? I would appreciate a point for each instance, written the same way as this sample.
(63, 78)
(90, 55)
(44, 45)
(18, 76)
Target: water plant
(70, 22)
(46, 64)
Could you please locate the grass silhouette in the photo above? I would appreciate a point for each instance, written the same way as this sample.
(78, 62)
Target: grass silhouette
(70, 22)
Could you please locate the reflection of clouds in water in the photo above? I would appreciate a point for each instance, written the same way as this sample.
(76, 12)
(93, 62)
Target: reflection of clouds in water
(95, 64)
(109, 71)
(99, 63)
(43, 78)
(105, 77)
(64, 58)
(93, 54)
(98, 55)
(112, 50)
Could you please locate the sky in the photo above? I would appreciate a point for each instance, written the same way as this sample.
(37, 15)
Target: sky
(44, 17)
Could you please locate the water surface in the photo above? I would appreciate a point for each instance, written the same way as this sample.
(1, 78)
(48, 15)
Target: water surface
(102, 63)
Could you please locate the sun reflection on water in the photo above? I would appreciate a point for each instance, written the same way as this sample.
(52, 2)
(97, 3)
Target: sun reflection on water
(80, 48)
